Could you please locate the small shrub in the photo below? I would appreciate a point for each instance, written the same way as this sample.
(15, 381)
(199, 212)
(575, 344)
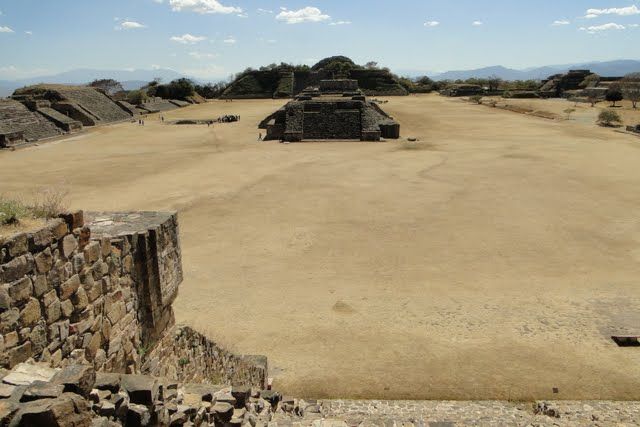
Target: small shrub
(476, 99)
(50, 202)
(493, 103)
(609, 118)
(11, 211)
(183, 362)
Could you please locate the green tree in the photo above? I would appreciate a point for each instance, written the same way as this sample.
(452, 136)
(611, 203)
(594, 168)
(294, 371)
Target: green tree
(614, 94)
(609, 118)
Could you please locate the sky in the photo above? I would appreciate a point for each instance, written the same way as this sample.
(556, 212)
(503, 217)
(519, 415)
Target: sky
(212, 39)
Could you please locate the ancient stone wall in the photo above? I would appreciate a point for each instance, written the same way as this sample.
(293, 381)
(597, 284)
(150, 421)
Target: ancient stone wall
(332, 120)
(99, 288)
(16, 118)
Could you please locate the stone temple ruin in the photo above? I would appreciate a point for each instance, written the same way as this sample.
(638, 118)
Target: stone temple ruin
(46, 111)
(335, 110)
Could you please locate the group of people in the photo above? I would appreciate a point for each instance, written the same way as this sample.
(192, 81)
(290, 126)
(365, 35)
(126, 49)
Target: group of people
(228, 119)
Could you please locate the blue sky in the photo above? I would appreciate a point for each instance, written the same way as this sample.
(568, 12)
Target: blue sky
(210, 39)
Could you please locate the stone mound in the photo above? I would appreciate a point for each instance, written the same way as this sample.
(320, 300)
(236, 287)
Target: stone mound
(84, 104)
(24, 125)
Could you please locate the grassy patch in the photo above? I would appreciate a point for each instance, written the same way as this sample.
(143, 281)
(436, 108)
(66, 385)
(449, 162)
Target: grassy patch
(12, 211)
(47, 203)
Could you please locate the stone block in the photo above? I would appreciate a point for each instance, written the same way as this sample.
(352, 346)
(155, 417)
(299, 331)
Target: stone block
(141, 389)
(41, 390)
(40, 239)
(17, 245)
(80, 300)
(41, 285)
(53, 311)
(58, 228)
(30, 314)
(17, 268)
(73, 219)
(69, 287)
(107, 381)
(67, 308)
(69, 245)
(44, 261)
(92, 252)
(5, 299)
(67, 410)
(137, 416)
(27, 373)
(77, 379)
(21, 290)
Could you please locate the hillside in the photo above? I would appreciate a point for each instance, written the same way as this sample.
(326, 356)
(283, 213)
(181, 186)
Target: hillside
(285, 81)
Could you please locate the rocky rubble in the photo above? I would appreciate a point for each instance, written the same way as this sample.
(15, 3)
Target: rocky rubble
(33, 394)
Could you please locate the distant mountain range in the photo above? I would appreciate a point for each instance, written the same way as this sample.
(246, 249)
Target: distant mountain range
(617, 68)
(134, 79)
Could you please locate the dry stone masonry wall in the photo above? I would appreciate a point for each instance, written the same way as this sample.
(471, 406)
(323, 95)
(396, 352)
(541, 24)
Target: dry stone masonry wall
(98, 288)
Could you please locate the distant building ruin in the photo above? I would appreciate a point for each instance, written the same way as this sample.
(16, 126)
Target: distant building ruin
(335, 110)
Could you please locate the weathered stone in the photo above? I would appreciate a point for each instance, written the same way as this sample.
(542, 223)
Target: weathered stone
(5, 299)
(92, 252)
(142, 390)
(40, 239)
(58, 228)
(17, 245)
(73, 219)
(67, 308)
(53, 311)
(16, 269)
(41, 285)
(44, 261)
(30, 314)
(241, 393)
(26, 374)
(19, 354)
(38, 338)
(9, 320)
(107, 381)
(80, 300)
(66, 410)
(138, 416)
(21, 290)
(78, 262)
(69, 287)
(222, 412)
(6, 390)
(41, 390)
(77, 379)
(106, 409)
(271, 396)
(84, 236)
(69, 245)
(11, 339)
(7, 411)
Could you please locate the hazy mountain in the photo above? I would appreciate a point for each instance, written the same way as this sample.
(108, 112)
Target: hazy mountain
(609, 68)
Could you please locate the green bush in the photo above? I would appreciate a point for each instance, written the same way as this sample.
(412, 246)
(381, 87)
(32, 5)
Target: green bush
(477, 99)
(11, 211)
(137, 97)
(609, 118)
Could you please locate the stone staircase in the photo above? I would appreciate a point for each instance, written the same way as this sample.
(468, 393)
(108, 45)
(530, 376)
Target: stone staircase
(95, 103)
(15, 117)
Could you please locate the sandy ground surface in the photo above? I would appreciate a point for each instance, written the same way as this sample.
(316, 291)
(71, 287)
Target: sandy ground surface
(494, 264)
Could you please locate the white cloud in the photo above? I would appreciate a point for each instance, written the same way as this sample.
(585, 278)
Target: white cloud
(340, 23)
(5, 30)
(29, 33)
(634, 25)
(306, 14)
(477, 23)
(260, 10)
(604, 27)
(203, 6)
(431, 24)
(202, 55)
(620, 11)
(242, 15)
(130, 25)
(561, 22)
(187, 39)
(230, 40)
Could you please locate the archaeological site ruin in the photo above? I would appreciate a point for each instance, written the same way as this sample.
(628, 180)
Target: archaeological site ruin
(335, 109)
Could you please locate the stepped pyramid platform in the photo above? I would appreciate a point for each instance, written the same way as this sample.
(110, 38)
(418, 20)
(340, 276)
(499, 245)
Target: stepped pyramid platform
(19, 125)
(336, 110)
(86, 105)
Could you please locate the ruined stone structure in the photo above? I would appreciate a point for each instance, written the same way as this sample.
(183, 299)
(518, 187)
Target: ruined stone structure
(457, 90)
(322, 114)
(19, 125)
(288, 83)
(84, 104)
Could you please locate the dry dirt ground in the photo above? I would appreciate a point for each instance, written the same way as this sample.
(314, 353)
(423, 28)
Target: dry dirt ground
(495, 263)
